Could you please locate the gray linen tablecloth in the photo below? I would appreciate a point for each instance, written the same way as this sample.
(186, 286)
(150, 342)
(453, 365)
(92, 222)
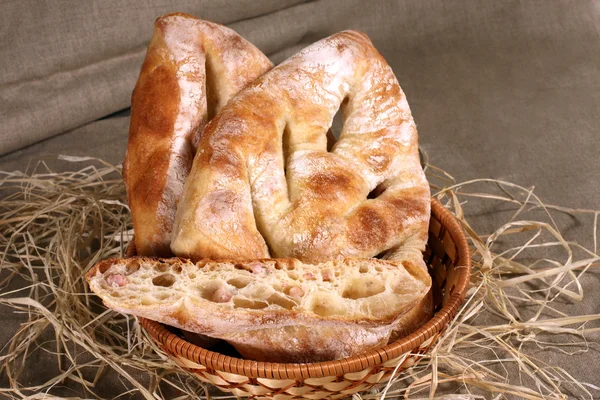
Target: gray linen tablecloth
(498, 89)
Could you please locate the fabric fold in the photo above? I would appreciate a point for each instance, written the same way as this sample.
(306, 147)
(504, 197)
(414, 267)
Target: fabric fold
(71, 63)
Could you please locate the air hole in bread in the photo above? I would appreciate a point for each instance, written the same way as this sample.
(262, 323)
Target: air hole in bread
(287, 289)
(162, 266)
(293, 275)
(281, 301)
(375, 193)
(327, 275)
(363, 287)
(147, 301)
(192, 275)
(222, 295)
(279, 265)
(295, 292)
(164, 280)
(207, 291)
(326, 305)
(245, 303)
(363, 269)
(132, 266)
(162, 296)
(239, 282)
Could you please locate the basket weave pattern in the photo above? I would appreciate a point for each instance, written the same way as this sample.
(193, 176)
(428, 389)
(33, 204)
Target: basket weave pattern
(448, 259)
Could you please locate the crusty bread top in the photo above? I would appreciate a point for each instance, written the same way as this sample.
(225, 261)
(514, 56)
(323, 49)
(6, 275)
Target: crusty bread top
(223, 297)
(191, 70)
(264, 185)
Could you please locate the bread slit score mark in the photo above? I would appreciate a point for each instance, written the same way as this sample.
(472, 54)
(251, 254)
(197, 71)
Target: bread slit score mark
(285, 151)
(211, 89)
(337, 122)
(316, 207)
(187, 61)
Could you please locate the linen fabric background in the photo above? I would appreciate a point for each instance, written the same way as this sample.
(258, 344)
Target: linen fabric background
(499, 89)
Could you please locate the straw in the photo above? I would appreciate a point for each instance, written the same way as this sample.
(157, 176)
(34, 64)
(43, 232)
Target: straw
(55, 226)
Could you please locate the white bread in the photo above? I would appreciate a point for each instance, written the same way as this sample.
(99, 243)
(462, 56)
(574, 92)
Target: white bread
(191, 70)
(273, 309)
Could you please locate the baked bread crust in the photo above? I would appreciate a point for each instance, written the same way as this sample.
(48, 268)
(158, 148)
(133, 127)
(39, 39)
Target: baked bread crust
(272, 309)
(191, 70)
(424, 310)
(264, 185)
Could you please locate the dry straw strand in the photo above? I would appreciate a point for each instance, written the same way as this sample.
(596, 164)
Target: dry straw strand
(55, 226)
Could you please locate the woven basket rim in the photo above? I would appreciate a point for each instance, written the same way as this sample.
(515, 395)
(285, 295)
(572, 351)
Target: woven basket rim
(359, 362)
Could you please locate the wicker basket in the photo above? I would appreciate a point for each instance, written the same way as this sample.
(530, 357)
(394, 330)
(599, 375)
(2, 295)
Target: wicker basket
(448, 258)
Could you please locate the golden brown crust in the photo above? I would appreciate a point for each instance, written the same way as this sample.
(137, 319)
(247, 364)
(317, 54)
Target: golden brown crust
(266, 181)
(169, 107)
(263, 183)
(302, 344)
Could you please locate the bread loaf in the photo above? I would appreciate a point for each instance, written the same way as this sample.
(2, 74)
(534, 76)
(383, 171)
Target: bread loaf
(272, 309)
(264, 185)
(191, 70)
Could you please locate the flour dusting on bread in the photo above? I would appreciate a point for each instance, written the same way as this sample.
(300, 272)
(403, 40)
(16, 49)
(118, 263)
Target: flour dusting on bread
(169, 110)
(228, 164)
(299, 199)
